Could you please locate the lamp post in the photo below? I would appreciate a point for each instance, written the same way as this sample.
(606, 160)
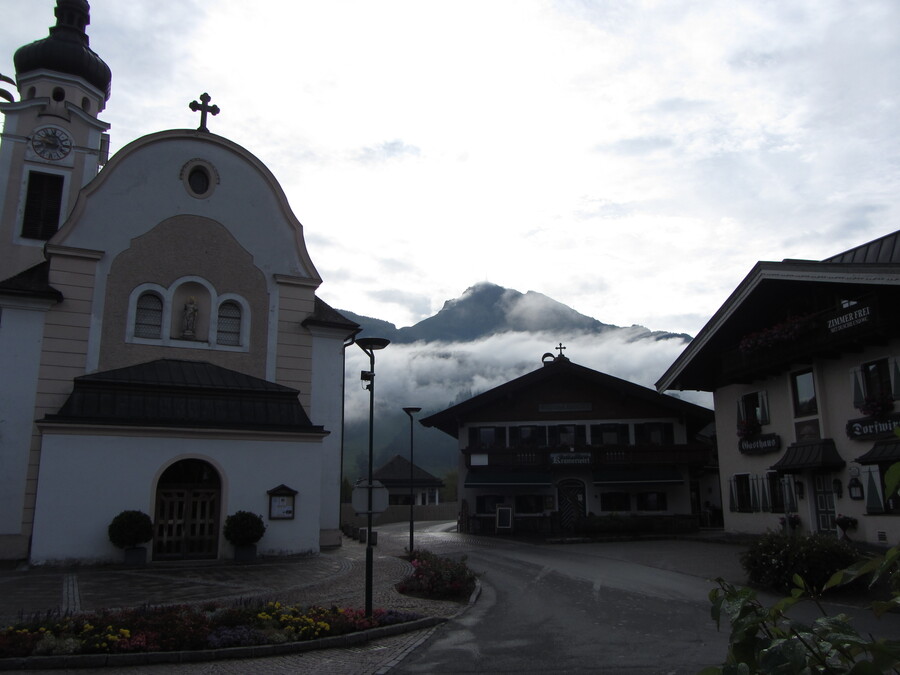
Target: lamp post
(412, 501)
(370, 346)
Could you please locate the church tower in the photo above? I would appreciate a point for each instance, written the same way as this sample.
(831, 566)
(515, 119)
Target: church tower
(53, 142)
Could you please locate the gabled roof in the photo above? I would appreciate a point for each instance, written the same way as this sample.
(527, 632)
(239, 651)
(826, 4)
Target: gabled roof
(768, 286)
(450, 419)
(396, 474)
(184, 394)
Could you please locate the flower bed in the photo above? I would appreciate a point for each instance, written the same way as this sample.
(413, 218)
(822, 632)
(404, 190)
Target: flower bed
(438, 578)
(186, 627)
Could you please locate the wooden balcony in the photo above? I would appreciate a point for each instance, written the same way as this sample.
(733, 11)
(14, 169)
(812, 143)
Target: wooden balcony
(594, 457)
(825, 334)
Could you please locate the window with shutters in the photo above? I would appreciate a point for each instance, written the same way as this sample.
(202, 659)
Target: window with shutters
(229, 326)
(43, 205)
(876, 385)
(148, 317)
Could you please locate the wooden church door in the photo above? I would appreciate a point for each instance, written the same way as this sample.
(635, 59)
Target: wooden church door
(186, 526)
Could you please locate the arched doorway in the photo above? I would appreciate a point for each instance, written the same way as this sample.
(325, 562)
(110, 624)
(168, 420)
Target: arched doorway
(571, 503)
(186, 526)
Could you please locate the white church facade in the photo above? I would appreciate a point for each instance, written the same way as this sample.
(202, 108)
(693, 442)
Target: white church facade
(161, 342)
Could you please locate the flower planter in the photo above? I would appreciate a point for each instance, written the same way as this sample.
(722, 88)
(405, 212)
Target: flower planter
(135, 556)
(245, 552)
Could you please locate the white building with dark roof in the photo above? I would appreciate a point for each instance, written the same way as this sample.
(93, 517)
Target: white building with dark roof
(804, 362)
(162, 344)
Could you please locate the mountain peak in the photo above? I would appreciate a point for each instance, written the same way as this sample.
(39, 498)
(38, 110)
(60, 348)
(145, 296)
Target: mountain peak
(486, 309)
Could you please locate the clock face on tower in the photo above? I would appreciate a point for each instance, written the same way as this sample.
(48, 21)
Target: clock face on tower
(51, 143)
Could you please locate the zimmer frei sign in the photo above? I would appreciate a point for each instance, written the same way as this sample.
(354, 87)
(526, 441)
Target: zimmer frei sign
(852, 317)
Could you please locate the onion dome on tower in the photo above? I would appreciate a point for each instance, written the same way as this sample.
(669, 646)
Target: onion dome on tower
(66, 50)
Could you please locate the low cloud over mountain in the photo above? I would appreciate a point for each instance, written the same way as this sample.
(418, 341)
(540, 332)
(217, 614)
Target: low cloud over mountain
(482, 339)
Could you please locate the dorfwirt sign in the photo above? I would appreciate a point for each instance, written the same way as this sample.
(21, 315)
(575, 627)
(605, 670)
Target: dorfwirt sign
(869, 428)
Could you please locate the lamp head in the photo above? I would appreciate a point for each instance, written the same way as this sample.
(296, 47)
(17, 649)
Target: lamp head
(411, 411)
(371, 344)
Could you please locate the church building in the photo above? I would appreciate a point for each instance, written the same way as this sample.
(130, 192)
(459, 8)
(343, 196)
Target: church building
(161, 342)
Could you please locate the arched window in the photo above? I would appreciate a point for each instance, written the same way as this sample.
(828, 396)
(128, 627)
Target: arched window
(229, 327)
(148, 317)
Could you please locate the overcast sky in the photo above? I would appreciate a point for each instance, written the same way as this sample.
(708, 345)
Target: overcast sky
(632, 160)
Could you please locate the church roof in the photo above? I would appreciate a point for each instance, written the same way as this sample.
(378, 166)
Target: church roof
(33, 282)
(66, 50)
(174, 393)
(325, 315)
(396, 474)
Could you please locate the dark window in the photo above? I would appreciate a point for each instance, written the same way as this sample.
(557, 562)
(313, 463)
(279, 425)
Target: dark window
(531, 436)
(148, 317)
(609, 434)
(803, 387)
(654, 433)
(877, 379)
(776, 492)
(529, 504)
(487, 503)
(487, 437)
(615, 501)
(651, 501)
(229, 327)
(43, 204)
(568, 435)
(740, 493)
(198, 179)
(753, 408)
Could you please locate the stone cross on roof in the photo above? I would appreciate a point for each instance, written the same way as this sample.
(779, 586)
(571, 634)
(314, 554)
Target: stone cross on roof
(560, 348)
(204, 108)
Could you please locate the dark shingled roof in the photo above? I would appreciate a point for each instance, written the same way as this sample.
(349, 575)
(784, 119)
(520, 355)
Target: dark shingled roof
(33, 282)
(395, 474)
(173, 393)
(325, 315)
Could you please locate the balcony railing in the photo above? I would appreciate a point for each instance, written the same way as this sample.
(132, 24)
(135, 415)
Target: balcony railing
(594, 456)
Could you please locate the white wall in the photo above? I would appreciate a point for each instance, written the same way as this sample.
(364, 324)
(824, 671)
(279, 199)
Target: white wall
(21, 330)
(87, 480)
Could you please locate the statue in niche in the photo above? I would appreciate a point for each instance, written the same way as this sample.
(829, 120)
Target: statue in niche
(189, 319)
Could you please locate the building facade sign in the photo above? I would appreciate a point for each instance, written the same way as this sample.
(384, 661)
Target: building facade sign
(570, 458)
(852, 317)
(869, 428)
(760, 445)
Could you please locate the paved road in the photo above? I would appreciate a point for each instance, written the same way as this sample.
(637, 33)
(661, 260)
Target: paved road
(630, 607)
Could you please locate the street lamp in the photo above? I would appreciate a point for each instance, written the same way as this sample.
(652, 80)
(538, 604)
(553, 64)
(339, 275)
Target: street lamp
(412, 501)
(370, 346)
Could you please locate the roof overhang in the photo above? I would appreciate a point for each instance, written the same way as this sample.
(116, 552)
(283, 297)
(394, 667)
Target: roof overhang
(819, 455)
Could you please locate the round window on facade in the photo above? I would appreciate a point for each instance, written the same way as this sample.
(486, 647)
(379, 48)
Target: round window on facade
(200, 178)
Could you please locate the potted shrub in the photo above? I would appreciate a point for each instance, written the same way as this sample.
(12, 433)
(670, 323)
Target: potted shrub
(243, 529)
(128, 531)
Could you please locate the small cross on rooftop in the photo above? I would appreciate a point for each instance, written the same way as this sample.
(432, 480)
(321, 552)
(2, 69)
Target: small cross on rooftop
(204, 108)
(560, 348)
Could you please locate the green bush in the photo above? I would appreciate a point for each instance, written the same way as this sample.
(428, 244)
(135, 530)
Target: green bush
(243, 528)
(437, 577)
(130, 528)
(773, 560)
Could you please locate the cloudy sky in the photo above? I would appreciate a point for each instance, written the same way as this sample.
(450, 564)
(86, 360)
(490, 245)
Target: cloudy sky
(631, 159)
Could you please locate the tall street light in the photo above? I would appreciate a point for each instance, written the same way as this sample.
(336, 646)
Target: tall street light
(412, 500)
(370, 346)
